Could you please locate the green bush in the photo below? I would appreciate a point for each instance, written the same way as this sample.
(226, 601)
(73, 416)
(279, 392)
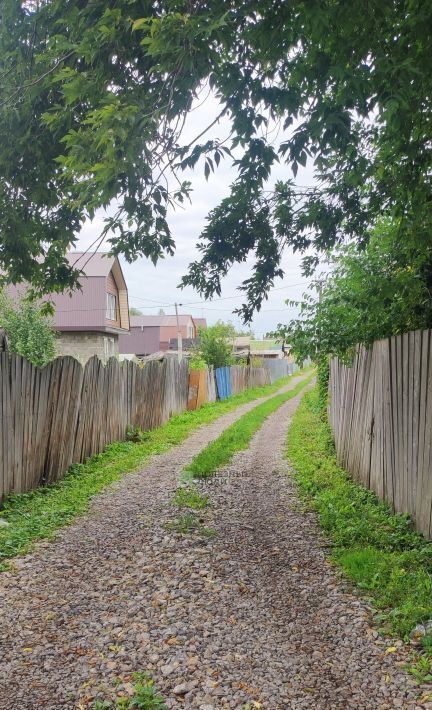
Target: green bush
(29, 332)
(215, 345)
(196, 362)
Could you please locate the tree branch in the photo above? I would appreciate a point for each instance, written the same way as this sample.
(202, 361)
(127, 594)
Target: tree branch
(38, 80)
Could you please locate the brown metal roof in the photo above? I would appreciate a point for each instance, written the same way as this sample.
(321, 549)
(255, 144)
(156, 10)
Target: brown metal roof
(92, 264)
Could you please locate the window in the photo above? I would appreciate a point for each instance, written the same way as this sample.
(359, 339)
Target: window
(109, 345)
(111, 307)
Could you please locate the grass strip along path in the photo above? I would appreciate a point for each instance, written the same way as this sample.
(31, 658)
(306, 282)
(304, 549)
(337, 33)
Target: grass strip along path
(217, 454)
(238, 436)
(38, 514)
(378, 550)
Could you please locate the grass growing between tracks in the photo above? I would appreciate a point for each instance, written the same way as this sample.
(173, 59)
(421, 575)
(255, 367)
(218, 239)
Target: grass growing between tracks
(238, 435)
(143, 694)
(38, 514)
(377, 549)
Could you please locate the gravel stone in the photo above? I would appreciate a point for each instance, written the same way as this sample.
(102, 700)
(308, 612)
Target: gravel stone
(252, 614)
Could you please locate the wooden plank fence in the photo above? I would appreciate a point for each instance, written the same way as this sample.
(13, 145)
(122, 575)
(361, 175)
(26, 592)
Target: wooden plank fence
(279, 368)
(211, 385)
(54, 416)
(244, 377)
(63, 413)
(380, 410)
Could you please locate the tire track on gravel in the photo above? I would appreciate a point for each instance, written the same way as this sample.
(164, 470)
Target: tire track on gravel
(92, 605)
(285, 631)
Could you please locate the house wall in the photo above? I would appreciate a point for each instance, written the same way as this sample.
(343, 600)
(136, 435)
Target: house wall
(84, 345)
(117, 274)
(140, 341)
(86, 308)
(170, 331)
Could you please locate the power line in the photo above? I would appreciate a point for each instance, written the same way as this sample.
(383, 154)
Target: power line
(216, 310)
(213, 300)
(227, 298)
(140, 298)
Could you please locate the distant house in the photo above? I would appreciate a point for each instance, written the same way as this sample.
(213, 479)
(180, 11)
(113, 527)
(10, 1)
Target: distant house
(269, 349)
(241, 343)
(151, 334)
(89, 321)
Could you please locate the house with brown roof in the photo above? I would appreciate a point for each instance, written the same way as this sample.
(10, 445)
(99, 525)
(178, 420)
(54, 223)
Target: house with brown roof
(151, 334)
(90, 320)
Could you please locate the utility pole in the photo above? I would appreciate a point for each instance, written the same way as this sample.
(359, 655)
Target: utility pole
(179, 335)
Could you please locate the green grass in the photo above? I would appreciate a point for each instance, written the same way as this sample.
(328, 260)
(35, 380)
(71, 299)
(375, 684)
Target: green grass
(188, 497)
(237, 436)
(189, 523)
(38, 514)
(377, 549)
(145, 696)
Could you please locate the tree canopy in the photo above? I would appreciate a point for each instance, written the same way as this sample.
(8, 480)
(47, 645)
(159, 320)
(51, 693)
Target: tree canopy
(384, 290)
(94, 96)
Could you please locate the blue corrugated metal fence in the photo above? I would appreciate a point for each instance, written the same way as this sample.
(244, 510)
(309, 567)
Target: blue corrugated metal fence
(223, 382)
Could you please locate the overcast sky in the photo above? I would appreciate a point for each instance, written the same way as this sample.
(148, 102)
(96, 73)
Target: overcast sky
(151, 288)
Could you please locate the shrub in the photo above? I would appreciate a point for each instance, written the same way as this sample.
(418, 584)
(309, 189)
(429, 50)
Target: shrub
(29, 332)
(196, 362)
(215, 345)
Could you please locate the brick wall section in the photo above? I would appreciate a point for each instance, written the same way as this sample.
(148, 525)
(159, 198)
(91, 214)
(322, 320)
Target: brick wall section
(84, 345)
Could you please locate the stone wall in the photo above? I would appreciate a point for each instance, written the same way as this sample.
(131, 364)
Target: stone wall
(83, 345)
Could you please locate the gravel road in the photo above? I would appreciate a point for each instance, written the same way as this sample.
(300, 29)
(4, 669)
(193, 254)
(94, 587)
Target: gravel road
(251, 614)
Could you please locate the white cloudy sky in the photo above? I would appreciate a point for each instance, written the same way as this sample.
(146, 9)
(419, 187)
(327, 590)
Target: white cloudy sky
(153, 287)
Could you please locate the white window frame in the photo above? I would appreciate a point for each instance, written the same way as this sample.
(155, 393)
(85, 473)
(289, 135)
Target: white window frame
(109, 347)
(111, 307)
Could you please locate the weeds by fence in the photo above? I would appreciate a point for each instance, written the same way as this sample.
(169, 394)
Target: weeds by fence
(381, 414)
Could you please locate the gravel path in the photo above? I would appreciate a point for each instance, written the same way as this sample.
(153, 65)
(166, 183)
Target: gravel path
(251, 614)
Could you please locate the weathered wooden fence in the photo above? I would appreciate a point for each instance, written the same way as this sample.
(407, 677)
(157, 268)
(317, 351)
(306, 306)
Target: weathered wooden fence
(54, 416)
(244, 377)
(278, 368)
(211, 385)
(380, 411)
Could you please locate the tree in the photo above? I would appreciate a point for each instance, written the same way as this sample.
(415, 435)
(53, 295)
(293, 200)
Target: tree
(385, 290)
(29, 332)
(231, 331)
(135, 311)
(243, 332)
(94, 98)
(215, 346)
